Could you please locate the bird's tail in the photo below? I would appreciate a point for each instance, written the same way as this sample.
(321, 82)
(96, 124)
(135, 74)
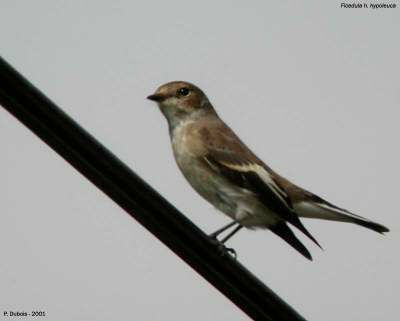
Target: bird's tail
(316, 207)
(283, 231)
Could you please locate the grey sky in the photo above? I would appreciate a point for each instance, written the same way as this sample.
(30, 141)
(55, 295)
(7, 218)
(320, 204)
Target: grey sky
(313, 89)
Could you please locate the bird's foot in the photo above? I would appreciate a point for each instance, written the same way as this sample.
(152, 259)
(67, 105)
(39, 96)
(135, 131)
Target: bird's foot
(226, 251)
(223, 250)
(230, 251)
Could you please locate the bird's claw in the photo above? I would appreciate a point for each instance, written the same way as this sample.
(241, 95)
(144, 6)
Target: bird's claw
(231, 252)
(224, 251)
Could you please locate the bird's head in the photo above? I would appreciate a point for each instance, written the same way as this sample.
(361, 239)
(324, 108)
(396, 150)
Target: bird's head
(180, 100)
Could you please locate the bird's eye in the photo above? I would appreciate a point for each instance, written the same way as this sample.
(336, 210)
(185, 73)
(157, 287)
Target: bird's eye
(183, 91)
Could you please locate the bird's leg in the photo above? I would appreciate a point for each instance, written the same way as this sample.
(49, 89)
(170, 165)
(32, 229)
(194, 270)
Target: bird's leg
(222, 229)
(230, 250)
(237, 229)
(222, 247)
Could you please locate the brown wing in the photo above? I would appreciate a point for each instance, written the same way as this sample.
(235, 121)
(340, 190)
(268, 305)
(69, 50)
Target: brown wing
(227, 154)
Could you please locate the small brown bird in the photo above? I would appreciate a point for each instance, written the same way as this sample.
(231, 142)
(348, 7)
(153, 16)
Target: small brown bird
(223, 170)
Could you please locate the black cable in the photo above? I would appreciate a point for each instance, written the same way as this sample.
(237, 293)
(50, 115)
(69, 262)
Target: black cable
(137, 198)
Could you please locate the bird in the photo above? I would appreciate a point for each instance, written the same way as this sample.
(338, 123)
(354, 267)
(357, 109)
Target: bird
(226, 173)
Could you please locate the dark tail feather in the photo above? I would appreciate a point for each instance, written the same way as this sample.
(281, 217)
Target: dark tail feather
(301, 227)
(371, 225)
(284, 232)
(333, 212)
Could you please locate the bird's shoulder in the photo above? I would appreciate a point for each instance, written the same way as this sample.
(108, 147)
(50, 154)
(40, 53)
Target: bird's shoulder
(219, 140)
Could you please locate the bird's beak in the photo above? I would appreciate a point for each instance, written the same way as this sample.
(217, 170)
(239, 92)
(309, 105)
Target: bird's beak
(156, 97)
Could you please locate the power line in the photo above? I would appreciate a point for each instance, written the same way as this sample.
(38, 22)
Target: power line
(138, 199)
